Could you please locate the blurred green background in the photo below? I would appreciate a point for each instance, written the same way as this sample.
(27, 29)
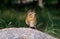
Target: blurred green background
(13, 14)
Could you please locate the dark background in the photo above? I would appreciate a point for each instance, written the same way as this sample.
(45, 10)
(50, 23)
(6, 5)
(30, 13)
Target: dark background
(13, 14)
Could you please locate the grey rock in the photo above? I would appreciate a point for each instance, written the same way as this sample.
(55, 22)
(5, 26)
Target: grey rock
(23, 33)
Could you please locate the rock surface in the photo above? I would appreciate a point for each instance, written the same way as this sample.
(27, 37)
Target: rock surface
(23, 33)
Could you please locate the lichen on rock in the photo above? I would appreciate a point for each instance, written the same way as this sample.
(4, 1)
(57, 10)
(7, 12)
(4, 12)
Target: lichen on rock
(23, 33)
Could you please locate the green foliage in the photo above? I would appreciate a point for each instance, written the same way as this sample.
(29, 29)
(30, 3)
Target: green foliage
(48, 18)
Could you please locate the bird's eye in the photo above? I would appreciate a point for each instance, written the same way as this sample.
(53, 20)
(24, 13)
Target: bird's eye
(30, 14)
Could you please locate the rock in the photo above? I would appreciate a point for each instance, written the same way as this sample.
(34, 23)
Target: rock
(23, 33)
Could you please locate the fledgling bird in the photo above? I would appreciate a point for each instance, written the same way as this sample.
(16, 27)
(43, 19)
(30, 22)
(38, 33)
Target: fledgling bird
(31, 19)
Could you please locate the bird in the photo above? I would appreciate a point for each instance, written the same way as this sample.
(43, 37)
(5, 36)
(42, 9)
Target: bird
(31, 20)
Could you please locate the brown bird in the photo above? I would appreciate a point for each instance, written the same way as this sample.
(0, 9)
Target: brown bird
(31, 19)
